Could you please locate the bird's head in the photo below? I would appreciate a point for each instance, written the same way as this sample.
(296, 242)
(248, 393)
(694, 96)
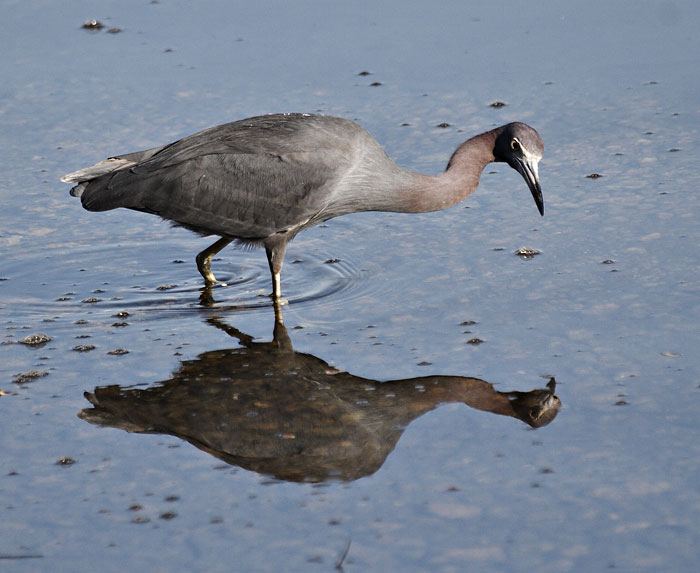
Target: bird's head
(521, 147)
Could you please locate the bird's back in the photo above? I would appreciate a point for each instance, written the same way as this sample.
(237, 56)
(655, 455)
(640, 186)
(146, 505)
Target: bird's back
(248, 179)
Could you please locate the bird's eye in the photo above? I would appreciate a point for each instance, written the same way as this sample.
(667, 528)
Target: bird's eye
(515, 144)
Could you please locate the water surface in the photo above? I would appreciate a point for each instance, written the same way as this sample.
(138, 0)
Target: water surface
(406, 335)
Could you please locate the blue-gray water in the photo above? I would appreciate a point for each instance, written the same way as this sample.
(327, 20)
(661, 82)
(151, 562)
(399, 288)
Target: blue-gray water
(610, 307)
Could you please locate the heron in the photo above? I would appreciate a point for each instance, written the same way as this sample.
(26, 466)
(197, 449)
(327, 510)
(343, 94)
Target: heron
(260, 181)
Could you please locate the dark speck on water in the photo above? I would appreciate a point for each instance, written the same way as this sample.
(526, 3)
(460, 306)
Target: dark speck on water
(29, 376)
(497, 104)
(594, 176)
(140, 519)
(118, 352)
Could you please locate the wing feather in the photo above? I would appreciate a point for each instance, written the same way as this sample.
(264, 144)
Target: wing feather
(249, 179)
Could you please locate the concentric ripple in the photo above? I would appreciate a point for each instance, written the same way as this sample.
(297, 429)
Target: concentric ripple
(114, 278)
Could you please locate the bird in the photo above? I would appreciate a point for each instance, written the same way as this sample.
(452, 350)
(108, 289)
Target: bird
(262, 180)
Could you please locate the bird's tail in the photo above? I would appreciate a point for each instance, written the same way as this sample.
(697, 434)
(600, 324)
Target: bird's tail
(83, 176)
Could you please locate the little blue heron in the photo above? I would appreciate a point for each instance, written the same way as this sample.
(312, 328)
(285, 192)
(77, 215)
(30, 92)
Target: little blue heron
(262, 180)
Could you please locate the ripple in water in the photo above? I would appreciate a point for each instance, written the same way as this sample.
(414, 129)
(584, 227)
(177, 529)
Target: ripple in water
(110, 278)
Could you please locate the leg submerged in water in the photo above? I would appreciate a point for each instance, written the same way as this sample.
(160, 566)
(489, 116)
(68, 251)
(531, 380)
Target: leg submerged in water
(275, 257)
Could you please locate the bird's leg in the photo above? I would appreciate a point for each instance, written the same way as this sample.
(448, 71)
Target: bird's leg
(276, 287)
(275, 257)
(279, 318)
(204, 260)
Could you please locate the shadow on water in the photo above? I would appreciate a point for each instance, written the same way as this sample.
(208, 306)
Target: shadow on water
(266, 408)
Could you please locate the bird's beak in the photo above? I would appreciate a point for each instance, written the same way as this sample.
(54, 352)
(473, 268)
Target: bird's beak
(527, 167)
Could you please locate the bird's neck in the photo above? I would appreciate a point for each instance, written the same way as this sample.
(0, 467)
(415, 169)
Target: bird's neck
(435, 192)
(426, 393)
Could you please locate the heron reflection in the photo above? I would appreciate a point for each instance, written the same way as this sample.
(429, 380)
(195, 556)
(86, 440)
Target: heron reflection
(266, 408)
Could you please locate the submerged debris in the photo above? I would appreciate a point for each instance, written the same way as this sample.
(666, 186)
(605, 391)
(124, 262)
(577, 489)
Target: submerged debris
(30, 376)
(93, 25)
(526, 252)
(140, 519)
(118, 352)
(35, 340)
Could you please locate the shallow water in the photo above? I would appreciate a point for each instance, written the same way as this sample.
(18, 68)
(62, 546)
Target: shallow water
(391, 445)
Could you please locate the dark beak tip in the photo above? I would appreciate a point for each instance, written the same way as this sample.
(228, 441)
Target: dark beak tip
(539, 201)
(530, 175)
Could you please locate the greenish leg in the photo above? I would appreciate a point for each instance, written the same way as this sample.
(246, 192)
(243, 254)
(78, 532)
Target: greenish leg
(204, 260)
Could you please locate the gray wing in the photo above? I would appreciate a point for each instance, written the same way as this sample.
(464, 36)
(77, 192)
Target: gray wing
(247, 179)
